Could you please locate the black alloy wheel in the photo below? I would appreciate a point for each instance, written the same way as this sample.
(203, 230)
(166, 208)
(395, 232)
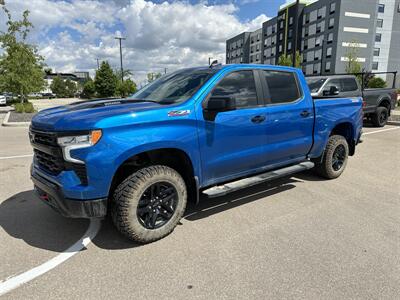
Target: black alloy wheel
(157, 205)
(338, 158)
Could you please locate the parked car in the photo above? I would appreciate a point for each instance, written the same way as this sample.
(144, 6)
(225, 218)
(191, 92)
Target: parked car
(209, 130)
(378, 103)
(3, 100)
(48, 95)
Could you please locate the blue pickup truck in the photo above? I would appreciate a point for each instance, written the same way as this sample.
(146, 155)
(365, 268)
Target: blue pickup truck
(210, 130)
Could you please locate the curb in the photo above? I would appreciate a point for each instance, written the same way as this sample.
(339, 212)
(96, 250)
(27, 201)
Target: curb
(14, 124)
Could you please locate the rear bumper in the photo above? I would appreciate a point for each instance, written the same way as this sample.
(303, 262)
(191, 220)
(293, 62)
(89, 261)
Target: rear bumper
(52, 195)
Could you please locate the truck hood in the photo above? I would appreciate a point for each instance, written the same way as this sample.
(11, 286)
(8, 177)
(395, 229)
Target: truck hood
(85, 114)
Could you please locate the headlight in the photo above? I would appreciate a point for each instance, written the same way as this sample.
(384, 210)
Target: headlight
(69, 143)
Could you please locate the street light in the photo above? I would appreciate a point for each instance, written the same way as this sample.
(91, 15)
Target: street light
(120, 55)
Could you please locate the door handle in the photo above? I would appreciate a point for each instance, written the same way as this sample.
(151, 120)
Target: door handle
(305, 113)
(258, 119)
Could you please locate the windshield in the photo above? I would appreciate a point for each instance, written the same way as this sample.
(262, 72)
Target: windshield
(315, 84)
(175, 87)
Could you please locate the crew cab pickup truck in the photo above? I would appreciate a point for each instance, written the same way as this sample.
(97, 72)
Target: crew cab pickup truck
(210, 130)
(378, 103)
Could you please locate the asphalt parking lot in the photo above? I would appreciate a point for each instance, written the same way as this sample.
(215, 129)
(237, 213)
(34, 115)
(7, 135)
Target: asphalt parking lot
(299, 237)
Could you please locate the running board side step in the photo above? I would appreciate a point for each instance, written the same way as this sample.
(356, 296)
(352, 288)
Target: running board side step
(233, 186)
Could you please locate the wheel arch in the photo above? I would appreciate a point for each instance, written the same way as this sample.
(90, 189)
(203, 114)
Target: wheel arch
(346, 129)
(175, 158)
(385, 102)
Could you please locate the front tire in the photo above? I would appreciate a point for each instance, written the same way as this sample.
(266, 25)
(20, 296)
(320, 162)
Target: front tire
(334, 159)
(380, 118)
(148, 204)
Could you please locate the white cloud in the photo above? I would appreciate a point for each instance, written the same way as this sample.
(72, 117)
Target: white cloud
(71, 35)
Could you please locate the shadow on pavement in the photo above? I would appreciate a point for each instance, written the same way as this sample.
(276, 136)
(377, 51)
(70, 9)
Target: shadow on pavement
(23, 216)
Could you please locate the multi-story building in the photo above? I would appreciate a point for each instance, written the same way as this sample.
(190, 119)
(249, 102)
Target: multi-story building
(328, 33)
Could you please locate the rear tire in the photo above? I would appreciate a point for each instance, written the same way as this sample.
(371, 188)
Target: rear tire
(334, 159)
(149, 203)
(380, 118)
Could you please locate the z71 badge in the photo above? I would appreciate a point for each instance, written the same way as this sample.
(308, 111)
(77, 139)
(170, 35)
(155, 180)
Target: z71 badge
(178, 113)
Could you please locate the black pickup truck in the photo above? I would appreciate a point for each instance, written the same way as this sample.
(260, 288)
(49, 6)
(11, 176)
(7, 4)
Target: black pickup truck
(377, 103)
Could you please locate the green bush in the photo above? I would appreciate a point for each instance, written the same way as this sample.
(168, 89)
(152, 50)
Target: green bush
(26, 107)
(376, 82)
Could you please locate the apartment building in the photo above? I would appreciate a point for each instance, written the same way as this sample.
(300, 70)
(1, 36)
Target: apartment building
(327, 30)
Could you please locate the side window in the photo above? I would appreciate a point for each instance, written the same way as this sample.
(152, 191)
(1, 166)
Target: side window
(282, 86)
(239, 85)
(333, 82)
(349, 85)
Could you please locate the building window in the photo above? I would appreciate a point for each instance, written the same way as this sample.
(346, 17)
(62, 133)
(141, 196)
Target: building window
(306, 31)
(307, 18)
(317, 55)
(381, 8)
(379, 23)
(377, 51)
(289, 46)
(331, 23)
(321, 12)
(375, 65)
(281, 36)
(290, 34)
(321, 27)
(330, 38)
(258, 47)
(332, 8)
(378, 37)
(280, 48)
(313, 15)
(252, 40)
(281, 24)
(257, 57)
(317, 68)
(329, 52)
(328, 66)
(290, 20)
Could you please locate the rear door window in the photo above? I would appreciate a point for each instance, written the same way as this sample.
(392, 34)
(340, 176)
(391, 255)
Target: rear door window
(349, 85)
(282, 86)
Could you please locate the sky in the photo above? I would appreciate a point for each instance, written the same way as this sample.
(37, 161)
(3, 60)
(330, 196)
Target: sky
(72, 34)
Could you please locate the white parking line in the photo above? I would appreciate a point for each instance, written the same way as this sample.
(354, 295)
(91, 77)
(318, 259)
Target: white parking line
(14, 282)
(16, 156)
(377, 131)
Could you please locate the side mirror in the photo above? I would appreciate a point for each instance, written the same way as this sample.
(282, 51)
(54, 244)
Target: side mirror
(333, 91)
(219, 104)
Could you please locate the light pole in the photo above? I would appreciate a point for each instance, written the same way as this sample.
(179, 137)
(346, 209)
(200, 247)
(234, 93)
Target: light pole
(209, 60)
(98, 65)
(120, 55)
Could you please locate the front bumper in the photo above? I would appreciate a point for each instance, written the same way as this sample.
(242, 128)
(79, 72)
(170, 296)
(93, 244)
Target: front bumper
(52, 195)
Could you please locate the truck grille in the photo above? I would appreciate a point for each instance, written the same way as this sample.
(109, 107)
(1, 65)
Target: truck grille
(49, 157)
(51, 164)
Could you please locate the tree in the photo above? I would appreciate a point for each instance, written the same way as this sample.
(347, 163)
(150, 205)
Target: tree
(105, 81)
(351, 57)
(21, 67)
(153, 76)
(89, 89)
(287, 60)
(59, 87)
(126, 87)
(70, 87)
(376, 82)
